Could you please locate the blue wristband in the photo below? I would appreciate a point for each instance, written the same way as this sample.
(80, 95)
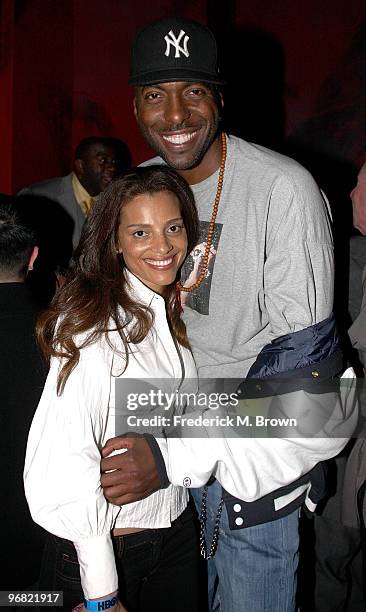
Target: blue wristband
(98, 605)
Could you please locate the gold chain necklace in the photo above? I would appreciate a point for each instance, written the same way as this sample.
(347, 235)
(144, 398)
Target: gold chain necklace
(211, 226)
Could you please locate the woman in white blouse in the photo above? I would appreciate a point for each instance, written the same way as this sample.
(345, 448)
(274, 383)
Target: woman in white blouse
(116, 316)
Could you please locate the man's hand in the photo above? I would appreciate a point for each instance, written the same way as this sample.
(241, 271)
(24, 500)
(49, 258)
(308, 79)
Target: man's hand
(134, 474)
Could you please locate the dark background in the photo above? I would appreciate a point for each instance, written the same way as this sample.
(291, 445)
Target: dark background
(296, 72)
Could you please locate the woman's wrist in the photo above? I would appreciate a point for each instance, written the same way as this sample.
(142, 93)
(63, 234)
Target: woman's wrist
(102, 603)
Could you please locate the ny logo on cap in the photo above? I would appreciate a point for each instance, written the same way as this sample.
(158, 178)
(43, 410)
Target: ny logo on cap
(174, 41)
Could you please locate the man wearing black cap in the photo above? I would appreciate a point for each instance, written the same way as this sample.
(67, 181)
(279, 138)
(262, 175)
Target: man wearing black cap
(257, 304)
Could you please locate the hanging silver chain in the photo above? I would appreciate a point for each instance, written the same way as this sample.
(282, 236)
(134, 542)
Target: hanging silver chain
(216, 530)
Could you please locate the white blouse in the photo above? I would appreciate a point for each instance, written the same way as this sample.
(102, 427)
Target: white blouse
(62, 468)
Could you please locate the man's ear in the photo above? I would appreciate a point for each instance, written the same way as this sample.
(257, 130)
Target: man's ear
(33, 258)
(79, 167)
(135, 107)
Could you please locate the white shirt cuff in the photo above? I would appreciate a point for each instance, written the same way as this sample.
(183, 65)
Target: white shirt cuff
(97, 566)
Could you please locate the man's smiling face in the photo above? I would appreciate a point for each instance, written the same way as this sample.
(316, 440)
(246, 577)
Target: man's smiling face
(179, 120)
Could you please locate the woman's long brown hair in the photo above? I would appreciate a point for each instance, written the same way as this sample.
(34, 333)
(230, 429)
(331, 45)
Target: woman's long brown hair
(94, 299)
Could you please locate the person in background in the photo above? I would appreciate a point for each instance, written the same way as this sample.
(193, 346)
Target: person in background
(358, 246)
(358, 197)
(97, 161)
(338, 560)
(116, 316)
(23, 373)
(357, 291)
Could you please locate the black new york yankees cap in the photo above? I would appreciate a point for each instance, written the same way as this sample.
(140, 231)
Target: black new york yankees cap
(174, 49)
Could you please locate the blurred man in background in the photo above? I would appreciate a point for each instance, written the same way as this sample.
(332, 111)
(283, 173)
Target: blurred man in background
(97, 162)
(23, 374)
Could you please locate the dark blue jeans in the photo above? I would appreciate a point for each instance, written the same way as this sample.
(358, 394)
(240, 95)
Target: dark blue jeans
(254, 569)
(158, 569)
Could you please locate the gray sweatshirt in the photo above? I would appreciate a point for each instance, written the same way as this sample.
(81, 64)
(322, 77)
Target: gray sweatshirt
(272, 269)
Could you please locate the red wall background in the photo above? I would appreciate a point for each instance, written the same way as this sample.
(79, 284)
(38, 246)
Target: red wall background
(297, 67)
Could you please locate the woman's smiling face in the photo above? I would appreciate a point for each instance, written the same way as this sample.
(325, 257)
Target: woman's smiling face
(152, 238)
